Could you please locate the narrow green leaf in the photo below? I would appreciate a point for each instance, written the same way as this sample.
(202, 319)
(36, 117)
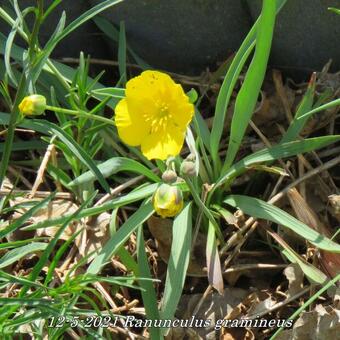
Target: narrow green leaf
(276, 152)
(305, 105)
(112, 33)
(248, 94)
(85, 17)
(260, 209)
(23, 218)
(113, 166)
(20, 252)
(148, 290)
(48, 49)
(18, 279)
(335, 10)
(122, 53)
(333, 103)
(76, 149)
(120, 237)
(26, 145)
(227, 88)
(8, 49)
(313, 298)
(313, 274)
(229, 82)
(178, 262)
(133, 196)
(114, 92)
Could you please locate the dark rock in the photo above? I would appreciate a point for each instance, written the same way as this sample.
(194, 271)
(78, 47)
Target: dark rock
(86, 38)
(306, 36)
(183, 36)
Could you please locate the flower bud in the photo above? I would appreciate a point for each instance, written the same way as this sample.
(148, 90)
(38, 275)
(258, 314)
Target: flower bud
(167, 200)
(188, 168)
(34, 104)
(169, 176)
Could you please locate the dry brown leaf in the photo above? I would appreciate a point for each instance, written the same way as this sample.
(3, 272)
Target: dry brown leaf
(214, 307)
(182, 333)
(54, 209)
(161, 230)
(329, 261)
(294, 275)
(334, 200)
(262, 306)
(321, 324)
(98, 233)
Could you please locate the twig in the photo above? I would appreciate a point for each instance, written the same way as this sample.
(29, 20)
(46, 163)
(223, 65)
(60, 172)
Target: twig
(41, 171)
(242, 267)
(280, 304)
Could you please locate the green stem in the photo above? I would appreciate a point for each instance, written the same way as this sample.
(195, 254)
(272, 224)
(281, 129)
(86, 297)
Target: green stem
(11, 128)
(308, 303)
(204, 207)
(81, 113)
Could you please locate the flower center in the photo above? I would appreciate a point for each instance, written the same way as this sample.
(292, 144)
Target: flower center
(160, 121)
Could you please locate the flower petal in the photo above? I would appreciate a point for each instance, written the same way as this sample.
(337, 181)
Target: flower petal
(161, 145)
(132, 129)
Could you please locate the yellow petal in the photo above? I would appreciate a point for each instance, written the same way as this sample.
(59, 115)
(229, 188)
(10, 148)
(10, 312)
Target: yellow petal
(132, 129)
(161, 145)
(147, 84)
(182, 112)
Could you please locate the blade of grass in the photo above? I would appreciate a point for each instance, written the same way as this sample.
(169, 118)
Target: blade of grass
(131, 197)
(305, 105)
(22, 219)
(11, 128)
(248, 94)
(120, 237)
(44, 259)
(122, 54)
(228, 85)
(113, 166)
(260, 209)
(112, 33)
(76, 149)
(329, 105)
(148, 290)
(85, 17)
(20, 252)
(178, 263)
(276, 152)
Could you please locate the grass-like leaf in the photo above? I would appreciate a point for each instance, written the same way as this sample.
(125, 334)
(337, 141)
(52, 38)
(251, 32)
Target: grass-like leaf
(120, 237)
(24, 217)
(305, 105)
(260, 209)
(76, 149)
(148, 291)
(335, 10)
(114, 165)
(122, 53)
(134, 196)
(18, 253)
(333, 103)
(85, 17)
(178, 262)
(226, 90)
(277, 152)
(248, 94)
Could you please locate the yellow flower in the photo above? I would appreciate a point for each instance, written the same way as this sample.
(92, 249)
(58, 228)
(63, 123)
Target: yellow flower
(34, 104)
(155, 115)
(167, 200)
